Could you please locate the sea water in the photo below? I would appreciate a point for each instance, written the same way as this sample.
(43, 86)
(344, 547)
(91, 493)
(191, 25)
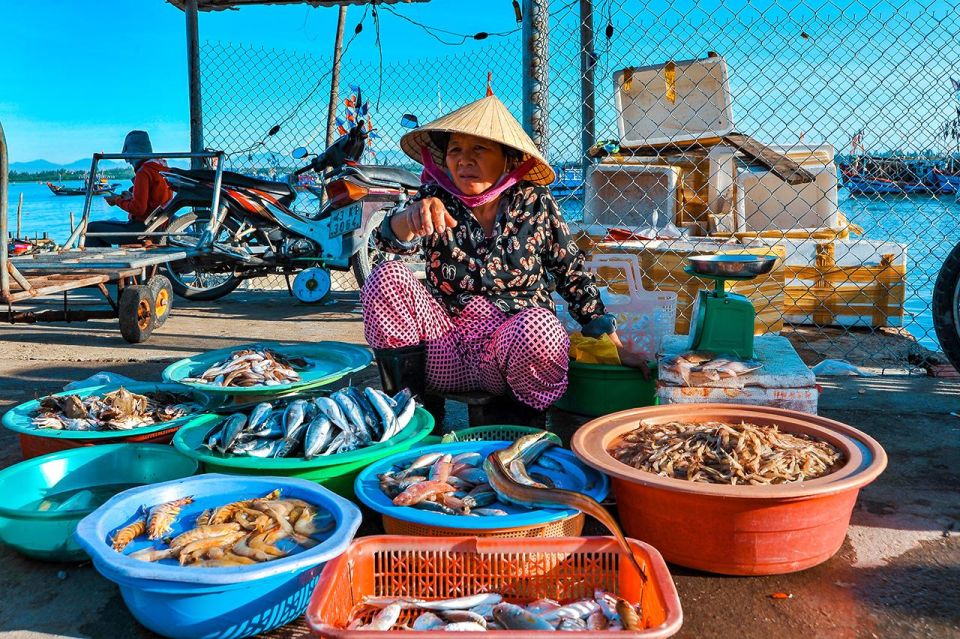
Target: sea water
(927, 225)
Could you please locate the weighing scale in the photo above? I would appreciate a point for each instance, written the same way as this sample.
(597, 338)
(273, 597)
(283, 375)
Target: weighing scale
(723, 322)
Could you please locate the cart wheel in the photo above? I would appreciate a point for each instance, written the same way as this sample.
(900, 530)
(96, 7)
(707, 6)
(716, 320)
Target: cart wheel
(162, 298)
(137, 320)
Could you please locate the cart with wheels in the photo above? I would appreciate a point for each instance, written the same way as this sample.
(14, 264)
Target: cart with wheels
(142, 302)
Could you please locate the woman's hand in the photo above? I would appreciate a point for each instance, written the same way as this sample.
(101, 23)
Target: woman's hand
(422, 218)
(628, 358)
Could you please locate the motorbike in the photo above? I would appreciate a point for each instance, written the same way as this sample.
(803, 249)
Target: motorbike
(260, 234)
(946, 307)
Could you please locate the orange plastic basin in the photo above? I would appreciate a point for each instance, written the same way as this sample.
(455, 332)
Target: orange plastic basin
(563, 568)
(33, 446)
(742, 529)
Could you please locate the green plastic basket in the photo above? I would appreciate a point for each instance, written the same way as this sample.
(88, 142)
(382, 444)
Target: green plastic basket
(493, 433)
(335, 472)
(601, 389)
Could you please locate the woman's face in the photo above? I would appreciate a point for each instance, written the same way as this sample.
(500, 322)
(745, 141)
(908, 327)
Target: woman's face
(475, 164)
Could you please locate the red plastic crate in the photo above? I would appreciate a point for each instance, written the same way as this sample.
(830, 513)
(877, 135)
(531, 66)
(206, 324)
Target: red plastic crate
(562, 568)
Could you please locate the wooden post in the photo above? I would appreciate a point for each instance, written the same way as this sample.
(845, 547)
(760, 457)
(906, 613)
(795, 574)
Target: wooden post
(335, 77)
(193, 80)
(71, 222)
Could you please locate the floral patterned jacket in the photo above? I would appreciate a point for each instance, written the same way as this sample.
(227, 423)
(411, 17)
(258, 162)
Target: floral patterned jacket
(530, 246)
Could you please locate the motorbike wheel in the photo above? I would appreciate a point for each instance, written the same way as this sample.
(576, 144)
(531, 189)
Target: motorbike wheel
(187, 277)
(369, 256)
(946, 307)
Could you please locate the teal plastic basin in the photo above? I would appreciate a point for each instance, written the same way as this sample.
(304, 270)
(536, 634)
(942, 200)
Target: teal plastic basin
(335, 472)
(71, 484)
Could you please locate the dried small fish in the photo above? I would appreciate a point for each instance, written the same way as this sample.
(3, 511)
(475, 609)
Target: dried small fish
(721, 453)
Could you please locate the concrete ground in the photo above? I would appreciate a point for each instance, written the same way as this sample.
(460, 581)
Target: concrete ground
(897, 574)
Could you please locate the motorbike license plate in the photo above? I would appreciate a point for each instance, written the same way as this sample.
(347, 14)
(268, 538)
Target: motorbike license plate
(347, 219)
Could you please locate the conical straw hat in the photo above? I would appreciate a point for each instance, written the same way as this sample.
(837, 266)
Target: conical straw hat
(486, 118)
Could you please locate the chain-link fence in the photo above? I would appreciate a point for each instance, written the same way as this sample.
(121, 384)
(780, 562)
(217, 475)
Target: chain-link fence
(846, 165)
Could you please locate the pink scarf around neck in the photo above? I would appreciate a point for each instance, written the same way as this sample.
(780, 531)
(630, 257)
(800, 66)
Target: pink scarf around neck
(433, 173)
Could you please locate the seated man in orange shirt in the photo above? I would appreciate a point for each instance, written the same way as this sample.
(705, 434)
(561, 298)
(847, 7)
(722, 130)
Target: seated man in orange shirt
(150, 191)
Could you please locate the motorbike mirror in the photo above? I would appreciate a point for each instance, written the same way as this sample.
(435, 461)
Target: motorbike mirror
(409, 121)
(299, 153)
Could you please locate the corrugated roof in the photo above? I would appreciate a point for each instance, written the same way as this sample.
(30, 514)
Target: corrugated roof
(220, 5)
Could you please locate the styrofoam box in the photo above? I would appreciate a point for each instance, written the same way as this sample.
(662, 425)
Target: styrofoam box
(703, 107)
(765, 202)
(723, 172)
(630, 195)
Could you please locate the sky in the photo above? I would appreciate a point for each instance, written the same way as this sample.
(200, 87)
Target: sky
(79, 74)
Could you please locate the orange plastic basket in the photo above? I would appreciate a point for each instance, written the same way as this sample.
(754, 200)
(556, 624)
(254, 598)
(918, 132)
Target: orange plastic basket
(562, 568)
(569, 527)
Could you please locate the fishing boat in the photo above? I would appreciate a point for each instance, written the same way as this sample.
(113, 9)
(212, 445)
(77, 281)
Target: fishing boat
(870, 175)
(569, 182)
(101, 187)
(862, 185)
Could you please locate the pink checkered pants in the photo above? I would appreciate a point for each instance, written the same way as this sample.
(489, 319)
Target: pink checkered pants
(481, 349)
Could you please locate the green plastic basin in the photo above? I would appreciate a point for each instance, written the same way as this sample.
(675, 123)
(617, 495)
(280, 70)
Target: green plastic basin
(71, 484)
(335, 472)
(601, 389)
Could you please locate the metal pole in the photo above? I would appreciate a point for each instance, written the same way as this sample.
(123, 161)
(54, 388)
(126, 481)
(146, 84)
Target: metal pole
(193, 80)
(4, 171)
(588, 59)
(535, 71)
(335, 76)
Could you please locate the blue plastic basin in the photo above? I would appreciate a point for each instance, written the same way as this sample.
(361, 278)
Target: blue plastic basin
(214, 603)
(575, 476)
(45, 497)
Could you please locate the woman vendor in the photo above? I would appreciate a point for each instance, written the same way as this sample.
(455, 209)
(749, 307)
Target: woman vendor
(495, 243)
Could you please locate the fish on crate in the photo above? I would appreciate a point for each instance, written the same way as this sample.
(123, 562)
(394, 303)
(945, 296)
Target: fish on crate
(698, 367)
(346, 420)
(460, 484)
(117, 410)
(252, 367)
(489, 611)
(234, 534)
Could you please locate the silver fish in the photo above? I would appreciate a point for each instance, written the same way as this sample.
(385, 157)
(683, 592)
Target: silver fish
(353, 414)
(401, 399)
(271, 427)
(212, 440)
(265, 448)
(489, 512)
(319, 434)
(232, 427)
(427, 621)
(336, 444)
(458, 603)
(383, 408)
(294, 416)
(404, 417)
(259, 415)
(472, 459)
(370, 417)
(333, 412)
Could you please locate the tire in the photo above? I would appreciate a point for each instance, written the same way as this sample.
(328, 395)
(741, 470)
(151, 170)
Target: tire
(369, 256)
(179, 273)
(136, 313)
(946, 307)
(162, 298)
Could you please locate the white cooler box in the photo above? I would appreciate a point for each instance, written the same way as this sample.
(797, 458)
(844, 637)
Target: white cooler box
(764, 202)
(638, 197)
(673, 102)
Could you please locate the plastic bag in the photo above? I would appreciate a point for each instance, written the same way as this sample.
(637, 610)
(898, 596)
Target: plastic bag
(835, 367)
(103, 378)
(593, 350)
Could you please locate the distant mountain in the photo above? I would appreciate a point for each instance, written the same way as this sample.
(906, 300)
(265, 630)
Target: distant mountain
(36, 166)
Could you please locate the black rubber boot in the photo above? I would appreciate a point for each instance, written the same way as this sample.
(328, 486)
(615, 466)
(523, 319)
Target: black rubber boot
(404, 367)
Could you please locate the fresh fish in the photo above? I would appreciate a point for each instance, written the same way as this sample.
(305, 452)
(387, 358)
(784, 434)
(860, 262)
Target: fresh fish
(541, 606)
(473, 475)
(574, 624)
(440, 470)
(575, 610)
(428, 621)
(489, 512)
(470, 459)
(213, 437)
(400, 400)
(319, 434)
(294, 416)
(421, 491)
(387, 417)
(353, 414)
(518, 473)
(457, 603)
(232, 427)
(424, 461)
(271, 427)
(370, 416)
(336, 444)
(333, 412)
(465, 626)
(265, 448)
(384, 619)
(435, 507)
(259, 415)
(515, 617)
(404, 417)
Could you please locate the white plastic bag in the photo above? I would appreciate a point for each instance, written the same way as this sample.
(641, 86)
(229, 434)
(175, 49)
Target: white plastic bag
(103, 378)
(835, 367)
